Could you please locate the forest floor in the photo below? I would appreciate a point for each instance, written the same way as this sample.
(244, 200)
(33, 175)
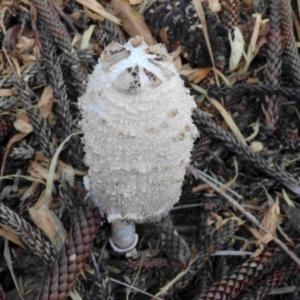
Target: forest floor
(234, 232)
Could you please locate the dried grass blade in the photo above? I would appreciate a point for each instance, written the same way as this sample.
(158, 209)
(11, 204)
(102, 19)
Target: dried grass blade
(200, 13)
(51, 174)
(94, 6)
(11, 268)
(8, 233)
(86, 37)
(228, 119)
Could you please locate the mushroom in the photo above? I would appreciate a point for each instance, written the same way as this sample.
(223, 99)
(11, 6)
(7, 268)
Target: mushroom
(138, 135)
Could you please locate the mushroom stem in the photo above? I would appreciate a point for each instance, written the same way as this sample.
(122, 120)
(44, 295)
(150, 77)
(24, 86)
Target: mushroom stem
(123, 237)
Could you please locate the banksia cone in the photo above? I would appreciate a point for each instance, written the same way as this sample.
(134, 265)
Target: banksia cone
(213, 242)
(291, 49)
(245, 275)
(273, 70)
(260, 6)
(31, 237)
(61, 37)
(138, 132)
(209, 127)
(231, 13)
(274, 280)
(174, 245)
(210, 243)
(72, 257)
(5, 127)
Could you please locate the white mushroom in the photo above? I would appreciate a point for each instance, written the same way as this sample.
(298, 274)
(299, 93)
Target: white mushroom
(138, 133)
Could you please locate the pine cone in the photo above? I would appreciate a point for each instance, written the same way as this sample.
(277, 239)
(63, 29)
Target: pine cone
(291, 50)
(209, 127)
(72, 256)
(33, 238)
(270, 107)
(254, 89)
(231, 285)
(231, 13)
(274, 280)
(174, 245)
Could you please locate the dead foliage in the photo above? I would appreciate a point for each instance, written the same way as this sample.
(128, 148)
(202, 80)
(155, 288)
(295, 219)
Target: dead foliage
(234, 232)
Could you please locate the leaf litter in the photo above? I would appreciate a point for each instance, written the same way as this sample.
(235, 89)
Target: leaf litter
(248, 100)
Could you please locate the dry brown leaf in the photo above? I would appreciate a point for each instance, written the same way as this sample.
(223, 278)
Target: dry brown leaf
(86, 37)
(221, 222)
(40, 157)
(9, 234)
(266, 239)
(177, 52)
(26, 58)
(176, 58)
(40, 202)
(8, 92)
(231, 182)
(254, 201)
(37, 171)
(215, 219)
(25, 43)
(214, 6)
(46, 102)
(96, 7)
(48, 222)
(92, 15)
(178, 62)
(23, 126)
(135, 2)
(16, 65)
(133, 22)
(196, 75)
(200, 187)
(200, 13)
(75, 16)
(251, 79)
(261, 239)
(256, 146)
(22, 115)
(271, 218)
(199, 78)
(256, 234)
(59, 2)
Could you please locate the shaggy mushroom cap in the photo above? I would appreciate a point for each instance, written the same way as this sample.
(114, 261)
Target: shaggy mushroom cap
(138, 131)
